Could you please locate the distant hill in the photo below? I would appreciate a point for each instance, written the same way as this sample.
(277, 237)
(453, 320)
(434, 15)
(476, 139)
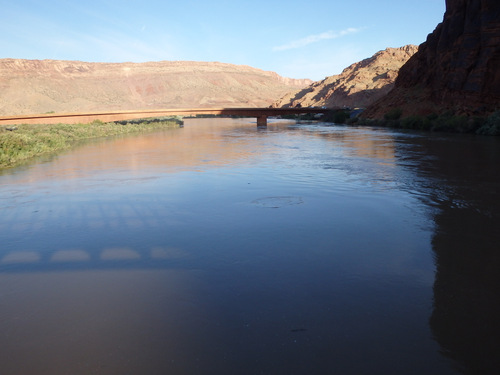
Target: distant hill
(358, 85)
(41, 86)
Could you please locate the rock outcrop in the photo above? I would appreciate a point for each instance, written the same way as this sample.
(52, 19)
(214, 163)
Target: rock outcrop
(456, 70)
(359, 85)
(40, 86)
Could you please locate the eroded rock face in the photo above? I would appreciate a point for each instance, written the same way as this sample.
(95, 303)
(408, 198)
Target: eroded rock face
(457, 69)
(40, 86)
(359, 85)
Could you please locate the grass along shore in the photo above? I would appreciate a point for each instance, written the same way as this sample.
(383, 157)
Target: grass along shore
(22, 142)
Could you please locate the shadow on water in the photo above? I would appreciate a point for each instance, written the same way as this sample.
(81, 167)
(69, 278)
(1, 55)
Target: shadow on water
(459, 177)
(466, 317)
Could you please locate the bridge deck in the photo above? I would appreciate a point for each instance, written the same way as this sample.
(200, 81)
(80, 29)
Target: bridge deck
(74, 118)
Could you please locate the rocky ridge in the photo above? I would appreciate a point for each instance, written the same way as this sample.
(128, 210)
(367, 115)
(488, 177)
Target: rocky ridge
(358, 85)
(41, 86)
(457, 69)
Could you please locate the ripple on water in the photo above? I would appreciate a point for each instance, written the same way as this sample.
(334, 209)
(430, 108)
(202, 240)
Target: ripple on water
(277, 202)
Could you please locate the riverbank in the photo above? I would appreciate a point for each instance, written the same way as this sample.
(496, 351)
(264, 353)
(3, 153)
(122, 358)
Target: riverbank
(449, 123)
(22, 142)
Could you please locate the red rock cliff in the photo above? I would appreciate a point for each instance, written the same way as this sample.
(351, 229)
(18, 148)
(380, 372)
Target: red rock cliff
(457, 69)
(39, 86)
(359, 85)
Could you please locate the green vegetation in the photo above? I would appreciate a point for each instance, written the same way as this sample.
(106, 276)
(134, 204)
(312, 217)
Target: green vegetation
(447, 122)
(491, 126)
(21, 142)
(337, 117)
(394, 114)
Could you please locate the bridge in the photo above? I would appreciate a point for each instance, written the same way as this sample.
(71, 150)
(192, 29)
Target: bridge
(261, 114)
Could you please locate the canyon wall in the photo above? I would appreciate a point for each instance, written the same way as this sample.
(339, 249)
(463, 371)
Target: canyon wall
(359, 85)
(41, 86)
(457, 69)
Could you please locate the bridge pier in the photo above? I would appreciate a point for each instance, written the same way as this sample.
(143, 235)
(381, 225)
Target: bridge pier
(82, 118)
(262, 121)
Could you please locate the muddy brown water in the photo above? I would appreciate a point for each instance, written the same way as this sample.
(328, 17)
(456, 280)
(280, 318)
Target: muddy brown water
(218, 248)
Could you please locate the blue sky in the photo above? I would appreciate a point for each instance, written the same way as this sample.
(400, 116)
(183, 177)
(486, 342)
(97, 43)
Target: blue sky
(297, 39)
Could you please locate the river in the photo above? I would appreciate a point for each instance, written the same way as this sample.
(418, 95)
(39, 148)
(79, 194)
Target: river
(220, 248)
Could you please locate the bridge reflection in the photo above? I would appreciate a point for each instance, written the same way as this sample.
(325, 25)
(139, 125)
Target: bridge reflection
(80, 259)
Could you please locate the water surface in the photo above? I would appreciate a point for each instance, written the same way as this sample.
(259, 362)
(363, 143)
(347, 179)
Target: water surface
(218, 248)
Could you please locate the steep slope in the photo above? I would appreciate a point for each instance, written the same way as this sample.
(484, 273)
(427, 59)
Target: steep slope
(357, 86)
(456, 70)
(40, 86)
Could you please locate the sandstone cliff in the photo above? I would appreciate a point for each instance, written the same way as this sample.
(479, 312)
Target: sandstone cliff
(358, 85)
(456, 70)
(40, 86)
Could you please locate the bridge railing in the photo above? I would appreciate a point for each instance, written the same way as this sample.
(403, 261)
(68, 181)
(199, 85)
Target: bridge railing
(73, 118)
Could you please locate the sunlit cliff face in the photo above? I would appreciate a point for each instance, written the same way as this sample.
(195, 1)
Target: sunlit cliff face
(41, 86)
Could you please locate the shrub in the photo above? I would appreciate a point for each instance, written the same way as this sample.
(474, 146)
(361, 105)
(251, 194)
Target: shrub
(340, 117)
(491, 125)
(353, 120)
(412, 122)
(394, 114)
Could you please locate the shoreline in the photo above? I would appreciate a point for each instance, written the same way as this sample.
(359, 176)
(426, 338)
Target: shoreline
(23, 142)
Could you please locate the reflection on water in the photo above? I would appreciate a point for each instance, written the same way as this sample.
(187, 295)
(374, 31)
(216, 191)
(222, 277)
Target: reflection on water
(221, 248)
(465, 320)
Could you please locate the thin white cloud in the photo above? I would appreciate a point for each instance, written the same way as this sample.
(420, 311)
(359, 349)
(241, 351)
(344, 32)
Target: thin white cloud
(299, 43)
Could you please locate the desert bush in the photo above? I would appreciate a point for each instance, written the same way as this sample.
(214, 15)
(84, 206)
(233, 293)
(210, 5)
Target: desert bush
(353, 120)
(340, 117)
(491, 126)
(447, 122)
(412, 122)
(393, 114)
